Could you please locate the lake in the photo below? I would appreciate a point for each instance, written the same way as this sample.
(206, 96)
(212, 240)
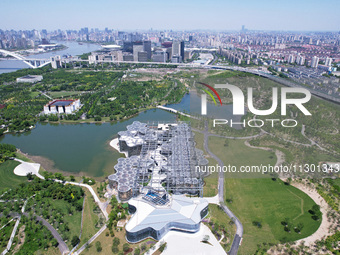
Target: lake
(85, 148)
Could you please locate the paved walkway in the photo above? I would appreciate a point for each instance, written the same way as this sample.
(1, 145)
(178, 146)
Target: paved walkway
(190, 244)
(62, 245)
(26, 167)
(239, 228)
(213, 200)
(81, 249)
(96, 199)
(14, 230)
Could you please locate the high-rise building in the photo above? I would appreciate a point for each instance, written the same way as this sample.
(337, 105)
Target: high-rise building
(302, 61)
(137, 47)
(315, 62)
(291, 59)
(182, 50)
(328, 61)
(147, 49)
(142, 56)
(178, 49)
(159, 56)
(176, 59)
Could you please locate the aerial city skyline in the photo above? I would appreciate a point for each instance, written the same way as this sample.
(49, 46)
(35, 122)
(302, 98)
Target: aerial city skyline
(169, 127)
(176, 15)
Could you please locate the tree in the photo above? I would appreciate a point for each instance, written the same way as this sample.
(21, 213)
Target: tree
(29, 176)
(126, 247)
(98, 246)
(115, 249)
(116, 241)
(54, 242)
(75, 240)
(136, 251)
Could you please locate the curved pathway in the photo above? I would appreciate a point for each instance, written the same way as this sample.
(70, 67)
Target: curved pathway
(62, 245)
(101, 205)
(323, 230)
(239, 228)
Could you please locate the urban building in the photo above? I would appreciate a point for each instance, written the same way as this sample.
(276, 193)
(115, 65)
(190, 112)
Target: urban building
(176, 59)
(315, 62)
(328, 61)
(147, 49)
(159, 170)
(181, 214)
(138, 47)
(30, 78)
(178, 49)
(161, 157)
(60, 106)
(159, 56)
(56, 62)
(291, 59)
(128, 57)
(142, 56)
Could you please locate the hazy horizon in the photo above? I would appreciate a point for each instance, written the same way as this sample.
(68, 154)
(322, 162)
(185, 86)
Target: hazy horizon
(216, 15)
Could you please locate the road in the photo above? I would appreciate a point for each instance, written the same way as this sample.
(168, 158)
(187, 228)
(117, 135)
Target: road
(239, 228)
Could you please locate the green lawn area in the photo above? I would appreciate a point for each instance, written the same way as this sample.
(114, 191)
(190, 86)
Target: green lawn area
(269, 202)
(218, 216)
(236, 153)
(58, 94)
(262, 199)
(73, 220)
(210, 188)
(34, 94)
(90, 219)
(5, 235)
(7, 178)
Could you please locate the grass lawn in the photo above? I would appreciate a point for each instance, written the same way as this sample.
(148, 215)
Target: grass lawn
(58, 94)
(34, 94)
(262, 199)
(269, 202)
(107, 241)
(210, 188)
(90, 219)
(5, 235)
(7, 178)
(219, 216)
(21, 156)
(73, 220)
(238, 154)
(199, 137)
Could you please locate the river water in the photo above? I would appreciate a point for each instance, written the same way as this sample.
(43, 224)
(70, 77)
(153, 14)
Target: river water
(73, 49)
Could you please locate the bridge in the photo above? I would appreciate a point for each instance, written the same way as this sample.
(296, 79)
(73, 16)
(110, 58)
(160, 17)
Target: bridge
(36, 63)
(175, 111)
(33, 63)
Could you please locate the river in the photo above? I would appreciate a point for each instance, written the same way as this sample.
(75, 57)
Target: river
(73, 49)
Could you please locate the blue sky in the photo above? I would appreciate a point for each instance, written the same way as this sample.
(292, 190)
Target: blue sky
(171, 14)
